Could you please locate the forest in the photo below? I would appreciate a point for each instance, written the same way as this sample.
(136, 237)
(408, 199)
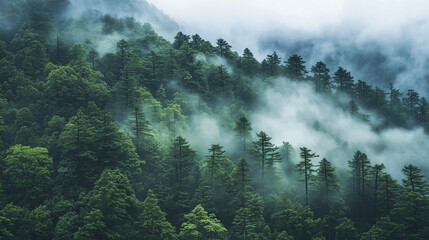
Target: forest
(110, 131)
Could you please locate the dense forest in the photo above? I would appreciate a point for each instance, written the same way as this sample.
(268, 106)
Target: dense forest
(106, 132)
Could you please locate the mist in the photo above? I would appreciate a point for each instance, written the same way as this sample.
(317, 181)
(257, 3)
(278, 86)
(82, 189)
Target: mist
(294, 113)
(291, 111)
(140, 10)
(379, 41)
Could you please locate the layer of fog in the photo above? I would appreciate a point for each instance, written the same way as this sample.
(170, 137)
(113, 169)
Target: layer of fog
(379, 41)
(140, 10)
(292, 112)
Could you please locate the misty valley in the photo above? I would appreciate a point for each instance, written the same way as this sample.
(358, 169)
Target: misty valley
(115, 123)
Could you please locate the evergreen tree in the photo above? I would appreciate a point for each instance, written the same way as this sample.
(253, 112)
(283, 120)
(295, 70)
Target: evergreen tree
(295, 68)
(249, 221)
(272, 64)
(182, 158)
(216, 165)
(346, 230)
(248, 63)
(243, 128)
(376, 171)
(414, 180)
(180, 39)
(360, 170)
(321, 77)
(344, 81)
(411, 211)
(110, 206)
(305, 168)
(267, 154)
(140, 128)
(423, 113)
(223, 48)
(326, 183)
(240, 181)
(26, 175)
(200, 225)
(152, 224)
(411, 102)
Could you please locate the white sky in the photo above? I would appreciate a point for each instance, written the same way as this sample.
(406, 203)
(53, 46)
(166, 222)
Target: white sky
(240, 22)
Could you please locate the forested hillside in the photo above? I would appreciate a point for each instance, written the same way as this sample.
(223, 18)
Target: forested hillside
(110, 131)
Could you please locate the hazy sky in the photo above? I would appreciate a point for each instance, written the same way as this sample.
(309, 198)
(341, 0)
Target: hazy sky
(229, 18)
(379, 41)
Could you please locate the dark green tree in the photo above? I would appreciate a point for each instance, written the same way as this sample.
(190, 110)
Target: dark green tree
(183, 161)
(152, 224)
(272, 64)
(180, 39)
(249, 222)
(200, 225)
(216, 166)
(321, 77)
(306, 168)
(267, 154)
(243, 128)
(240, 181)
(295, 68)
(344, 81)
(377, 174)
(414, 180)
(110, 206)
(411, 102)
(223, 49)
(346, 230)
(26, 174)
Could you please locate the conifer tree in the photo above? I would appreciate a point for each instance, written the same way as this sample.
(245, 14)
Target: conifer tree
(240, 181)
(327, 182)
(182, 157)
(376, 171)
(414, 180)
(305, 168)
(344, 80)
(243, 128)
(216, 164)
(249, 222)
(223, 48)
(140, 128)
(152, 224)
(266, 154)
(272, 63)
(295, 68)
(200, 225)
(321, 77)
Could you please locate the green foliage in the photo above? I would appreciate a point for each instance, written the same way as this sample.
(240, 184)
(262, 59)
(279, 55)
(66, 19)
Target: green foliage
(346, 230)
(266, 154)
(249, 221)
(321, 78)
(305, 168)
(216, 166)
(27, 175)
(66, 226)
(243, 128)
(152, 223)
(414, 180)
(384, 229)
(295, 67)
(84, 134)
(110, 205)
(344, 81)
(201, 225)
(39, 223)
(300, 224)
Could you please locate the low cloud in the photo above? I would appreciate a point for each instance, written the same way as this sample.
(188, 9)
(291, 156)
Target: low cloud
(379, 41)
